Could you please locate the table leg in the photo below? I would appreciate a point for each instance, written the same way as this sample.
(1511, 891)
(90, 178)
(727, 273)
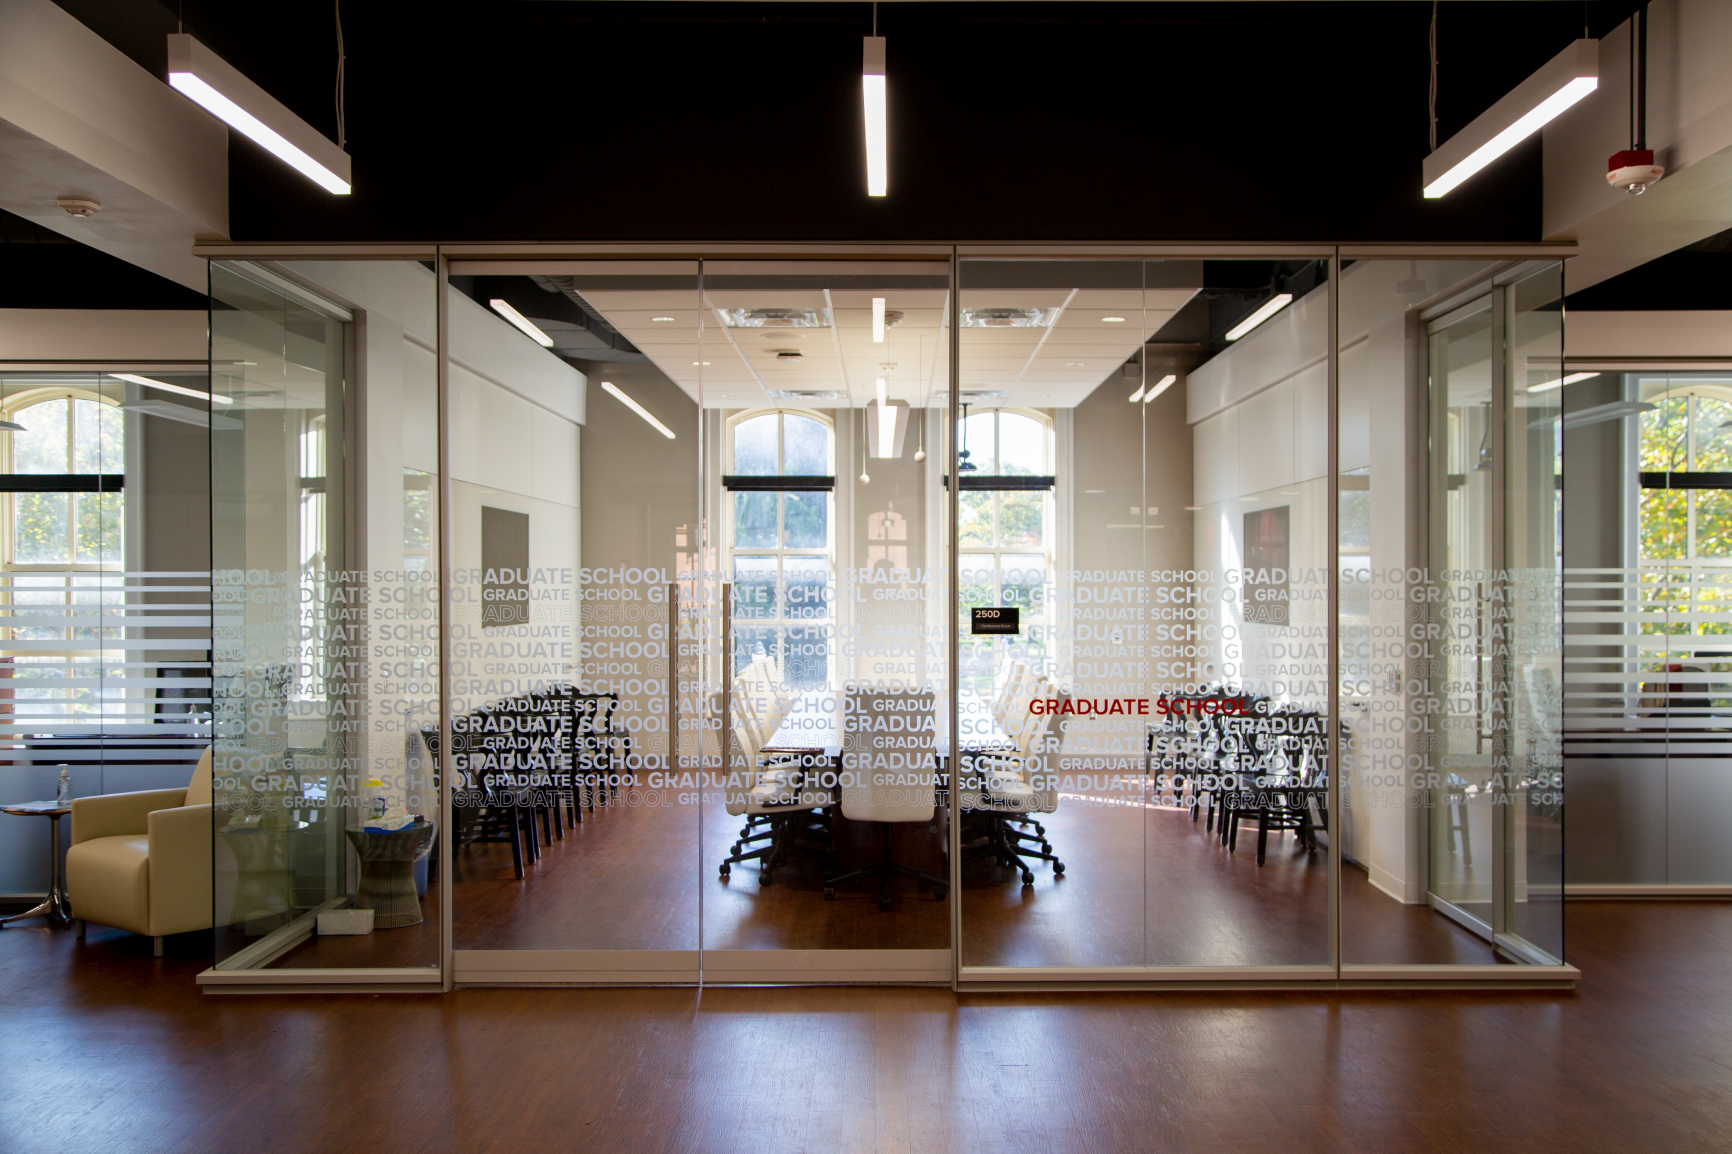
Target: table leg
(54, 906)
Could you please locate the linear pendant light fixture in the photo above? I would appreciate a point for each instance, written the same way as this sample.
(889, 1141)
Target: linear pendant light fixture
(1529, 106)
(877, 118)
(614, 391)
(522, 323)
(168, 388)
(1161, 386)
(222, 90)
(886, 423)
(1268, 309)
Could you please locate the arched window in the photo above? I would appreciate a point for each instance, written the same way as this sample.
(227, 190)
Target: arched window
(1005, 537)
(782, 545)
(57, 547)
(64, 432)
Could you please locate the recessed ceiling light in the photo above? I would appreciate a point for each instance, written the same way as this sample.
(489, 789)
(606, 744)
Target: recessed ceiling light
(700, 362)
(1112, 320)
(1073, 364)
(658, 320)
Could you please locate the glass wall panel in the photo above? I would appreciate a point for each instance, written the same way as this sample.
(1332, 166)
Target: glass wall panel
(822, 385)
(1450, 613)
(1645, 527)
(324, 466)
(104, 606)
(577, 611)
(1144, 609)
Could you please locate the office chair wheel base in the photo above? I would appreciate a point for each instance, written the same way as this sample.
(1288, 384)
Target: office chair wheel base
(939, 894)
(764, 878)
(1027, 877)
(883, 901)
(829, 893)
(726, 870)
(1058, 869)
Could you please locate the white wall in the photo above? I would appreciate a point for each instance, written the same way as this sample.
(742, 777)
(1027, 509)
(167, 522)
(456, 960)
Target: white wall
(1689, 129)
(78, 118)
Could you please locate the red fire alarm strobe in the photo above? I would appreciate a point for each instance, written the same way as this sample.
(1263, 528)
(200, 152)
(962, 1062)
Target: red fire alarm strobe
(1633, 170)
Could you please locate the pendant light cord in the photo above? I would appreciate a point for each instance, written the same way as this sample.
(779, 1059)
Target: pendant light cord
(874, 17)
(342, 61)
(1433, 103)
(1639, 79)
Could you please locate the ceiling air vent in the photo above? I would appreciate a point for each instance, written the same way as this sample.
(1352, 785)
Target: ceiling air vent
(785, 355)
(1006, 318)
(808, 395)
(774, 318)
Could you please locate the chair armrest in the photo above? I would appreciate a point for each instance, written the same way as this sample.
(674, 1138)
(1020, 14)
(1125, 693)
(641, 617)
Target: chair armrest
(119, 814)
(180, 869)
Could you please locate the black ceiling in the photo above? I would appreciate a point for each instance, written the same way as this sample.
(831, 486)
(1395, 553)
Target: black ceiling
(566, 120)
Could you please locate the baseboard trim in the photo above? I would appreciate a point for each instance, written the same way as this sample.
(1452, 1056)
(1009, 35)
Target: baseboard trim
(808, 967)
(1574, 892)
(574, 967)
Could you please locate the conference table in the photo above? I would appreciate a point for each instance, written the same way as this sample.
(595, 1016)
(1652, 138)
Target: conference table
(812, 729)
(812, 726)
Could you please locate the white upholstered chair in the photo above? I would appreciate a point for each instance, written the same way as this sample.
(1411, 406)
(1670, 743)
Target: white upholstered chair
(1001, 790)
(142, 861)
(889, 775)
(785, 811)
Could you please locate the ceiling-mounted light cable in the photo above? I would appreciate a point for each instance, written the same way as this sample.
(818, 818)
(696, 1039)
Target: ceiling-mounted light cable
(877, 117)
(342, 60)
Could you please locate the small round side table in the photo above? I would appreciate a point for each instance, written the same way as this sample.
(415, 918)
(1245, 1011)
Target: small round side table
(55, 906)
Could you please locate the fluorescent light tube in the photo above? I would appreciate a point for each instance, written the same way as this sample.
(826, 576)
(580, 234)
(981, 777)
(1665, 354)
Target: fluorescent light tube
(1161, 386)
(1270, 307)
(877, 118)
(886, 430)
(638, 409)
(166, 387)
(1138, 395)
(1565, 79)
(222, 90)
(877, 320)
(1560, 382)
(523, 323)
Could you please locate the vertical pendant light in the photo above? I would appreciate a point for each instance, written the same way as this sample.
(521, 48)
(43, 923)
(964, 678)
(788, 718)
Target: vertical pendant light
(864, 479)
(877, 124)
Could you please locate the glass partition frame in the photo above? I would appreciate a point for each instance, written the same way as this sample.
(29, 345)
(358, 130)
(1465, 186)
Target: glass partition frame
(441, 257)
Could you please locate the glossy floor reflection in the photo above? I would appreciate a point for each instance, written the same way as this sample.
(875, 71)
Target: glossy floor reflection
(108, 1049)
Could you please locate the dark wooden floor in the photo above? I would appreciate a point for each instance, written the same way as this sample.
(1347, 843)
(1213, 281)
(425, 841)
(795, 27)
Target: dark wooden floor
(105, 1049)
(1144, 885)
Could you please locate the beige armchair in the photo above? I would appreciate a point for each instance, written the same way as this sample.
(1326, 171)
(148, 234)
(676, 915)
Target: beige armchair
(142, 861)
